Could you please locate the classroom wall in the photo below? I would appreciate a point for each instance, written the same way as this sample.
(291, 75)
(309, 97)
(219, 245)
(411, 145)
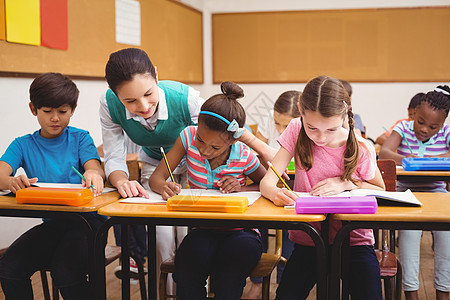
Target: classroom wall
(379, 104)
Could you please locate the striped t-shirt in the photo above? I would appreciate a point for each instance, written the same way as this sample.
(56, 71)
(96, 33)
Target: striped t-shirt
(241, 162)
(437, 144)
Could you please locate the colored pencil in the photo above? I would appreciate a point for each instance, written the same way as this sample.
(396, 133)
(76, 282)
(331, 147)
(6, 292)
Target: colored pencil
(167, 164)
(81, 175)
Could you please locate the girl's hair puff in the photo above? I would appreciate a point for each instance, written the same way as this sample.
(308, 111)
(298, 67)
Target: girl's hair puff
(327, 96)
(124, 64)
(225, 105)
(439, 99)
(286, 103)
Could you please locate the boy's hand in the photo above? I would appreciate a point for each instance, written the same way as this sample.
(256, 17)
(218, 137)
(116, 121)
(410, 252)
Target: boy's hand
(284, 197)
(229, 184)
(332, 186)
(94, 179)
(128, 189)
(21, 182)
(170, 189)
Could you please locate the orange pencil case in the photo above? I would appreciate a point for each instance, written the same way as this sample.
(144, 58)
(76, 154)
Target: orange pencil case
(59, 196)
(227, 204)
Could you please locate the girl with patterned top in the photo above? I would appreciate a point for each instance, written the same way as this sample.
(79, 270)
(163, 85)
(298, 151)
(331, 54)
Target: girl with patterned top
(215, 160)
(429, 136)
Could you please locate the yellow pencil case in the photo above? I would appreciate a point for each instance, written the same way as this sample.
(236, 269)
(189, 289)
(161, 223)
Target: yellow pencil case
(59, 196)
(227, 204)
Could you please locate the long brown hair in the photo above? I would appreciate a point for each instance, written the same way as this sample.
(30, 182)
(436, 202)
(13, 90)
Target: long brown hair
(327, 96)
(286, 103)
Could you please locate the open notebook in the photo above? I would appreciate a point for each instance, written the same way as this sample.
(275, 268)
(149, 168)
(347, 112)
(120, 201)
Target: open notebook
(384, 198)
(157, 199)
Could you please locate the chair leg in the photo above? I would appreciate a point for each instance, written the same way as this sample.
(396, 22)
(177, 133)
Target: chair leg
(142, 285)
(388, 288)
(266, 288)
(55, 292)
(398, 282)
(162, 286)
(45, 288)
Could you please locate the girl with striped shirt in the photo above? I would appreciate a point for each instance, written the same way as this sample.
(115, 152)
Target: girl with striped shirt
(428, 136)
(215, 160)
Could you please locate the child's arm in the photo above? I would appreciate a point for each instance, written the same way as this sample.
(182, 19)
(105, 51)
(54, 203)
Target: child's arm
(266, 153)
(94, 175)
(158, 181)
(268, 185)
(389, 148)
(8, 182)
(229, 184)
(336, 185)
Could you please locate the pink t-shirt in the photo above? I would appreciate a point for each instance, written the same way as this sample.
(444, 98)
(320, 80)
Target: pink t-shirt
(327, 163)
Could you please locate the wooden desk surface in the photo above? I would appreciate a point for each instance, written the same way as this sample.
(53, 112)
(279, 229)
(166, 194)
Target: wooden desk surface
(402, 172)
(262, 209)
(9, 202)
(435, 208)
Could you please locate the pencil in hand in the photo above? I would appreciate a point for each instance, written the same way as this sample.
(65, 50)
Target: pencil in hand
(407, 143)
(81, 175)
(278, 175)
(167, 164)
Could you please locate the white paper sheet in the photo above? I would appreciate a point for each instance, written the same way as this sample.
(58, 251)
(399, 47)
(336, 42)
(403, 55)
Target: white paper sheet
(128, 22)
(69, 186)
(157, 199)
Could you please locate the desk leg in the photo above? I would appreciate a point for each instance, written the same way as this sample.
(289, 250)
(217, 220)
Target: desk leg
(322, 286)
(125, 262)
(336, 253)
(99, 263)
(152, 268)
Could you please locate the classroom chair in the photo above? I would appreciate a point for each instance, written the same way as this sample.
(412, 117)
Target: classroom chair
(111, 254)
(390, 267)
(264, 268)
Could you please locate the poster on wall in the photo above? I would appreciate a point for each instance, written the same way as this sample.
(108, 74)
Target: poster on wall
(23, 24)
(128, 22)
(54, 28)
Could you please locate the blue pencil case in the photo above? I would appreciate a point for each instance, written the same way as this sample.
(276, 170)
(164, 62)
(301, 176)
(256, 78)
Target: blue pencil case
(426, 163)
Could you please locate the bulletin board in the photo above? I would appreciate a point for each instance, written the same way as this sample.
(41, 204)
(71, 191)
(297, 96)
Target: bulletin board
(171, 34)
(359, 45)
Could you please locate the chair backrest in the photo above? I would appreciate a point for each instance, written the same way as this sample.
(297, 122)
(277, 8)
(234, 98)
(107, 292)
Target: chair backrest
(388, 171)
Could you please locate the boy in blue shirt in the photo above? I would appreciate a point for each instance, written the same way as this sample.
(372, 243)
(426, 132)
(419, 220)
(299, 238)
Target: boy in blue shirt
(48, 155)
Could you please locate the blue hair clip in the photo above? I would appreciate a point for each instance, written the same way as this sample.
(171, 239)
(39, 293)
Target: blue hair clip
(233, 126)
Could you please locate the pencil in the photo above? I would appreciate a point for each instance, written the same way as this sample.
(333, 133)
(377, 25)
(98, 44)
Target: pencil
(81, 175)
(284, 182)
(387, 131)
(167, 164)
(407, 143)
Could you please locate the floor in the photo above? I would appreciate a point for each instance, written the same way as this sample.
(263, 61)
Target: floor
(113, 292)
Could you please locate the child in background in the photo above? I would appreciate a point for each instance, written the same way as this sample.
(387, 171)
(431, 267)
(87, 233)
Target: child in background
(329, 160)
(284, 110)
(48, 155)
(359, 127)
(411, 108)
(428, 136)
(215, 160)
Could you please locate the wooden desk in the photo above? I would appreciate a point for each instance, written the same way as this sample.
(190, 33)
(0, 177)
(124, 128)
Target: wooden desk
(433, 215)
(422, 175)
(262, 214)
(10, 208)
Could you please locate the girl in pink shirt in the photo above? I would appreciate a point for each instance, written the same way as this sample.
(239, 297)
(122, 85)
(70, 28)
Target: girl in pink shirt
(329, 159)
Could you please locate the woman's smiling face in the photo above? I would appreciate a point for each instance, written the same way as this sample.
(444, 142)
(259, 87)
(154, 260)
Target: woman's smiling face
(140, 95)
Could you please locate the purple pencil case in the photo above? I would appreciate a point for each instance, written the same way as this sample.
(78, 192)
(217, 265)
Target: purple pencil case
(336, 205)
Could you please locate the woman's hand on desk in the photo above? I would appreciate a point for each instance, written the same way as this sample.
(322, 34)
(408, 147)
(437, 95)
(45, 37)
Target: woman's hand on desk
(20, 182)
(128, 189)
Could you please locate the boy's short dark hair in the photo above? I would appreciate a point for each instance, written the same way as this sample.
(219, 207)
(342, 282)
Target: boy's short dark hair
(53, 90)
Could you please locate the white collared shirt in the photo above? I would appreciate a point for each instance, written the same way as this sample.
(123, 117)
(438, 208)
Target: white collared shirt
(114, 145)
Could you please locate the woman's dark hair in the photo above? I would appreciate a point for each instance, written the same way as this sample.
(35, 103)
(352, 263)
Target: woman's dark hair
(53, 90)
(124, 64)
(438, 99)
(225, 105)
(286, 104)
